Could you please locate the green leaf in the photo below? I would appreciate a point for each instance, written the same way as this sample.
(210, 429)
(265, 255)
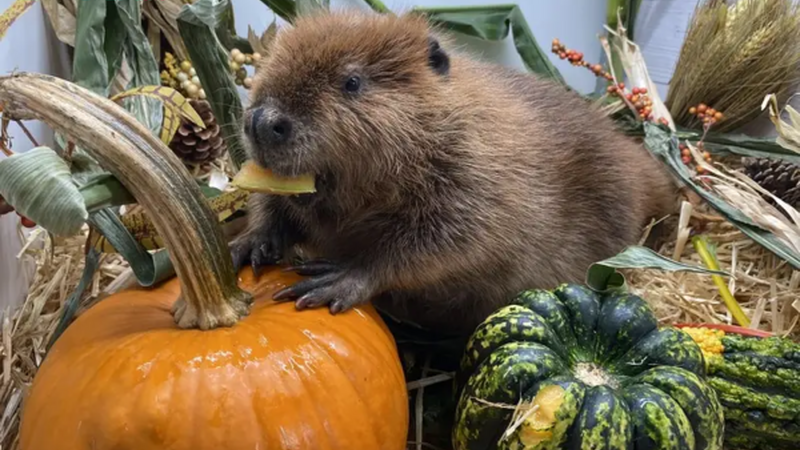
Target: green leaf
(149, 268)
(196, 24)
(94, 47)
(143, 65)
(665, 146)
(309, 6)
(603, 277)
(38, 184)
(493, 23)
(285, 9)
(378, 6)
(105, 191)
(91, 263)
(226, 33)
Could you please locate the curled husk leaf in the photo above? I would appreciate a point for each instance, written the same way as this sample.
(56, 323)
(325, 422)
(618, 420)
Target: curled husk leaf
(38, 184)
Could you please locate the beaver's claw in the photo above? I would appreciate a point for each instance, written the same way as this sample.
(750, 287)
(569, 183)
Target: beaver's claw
(328, 284)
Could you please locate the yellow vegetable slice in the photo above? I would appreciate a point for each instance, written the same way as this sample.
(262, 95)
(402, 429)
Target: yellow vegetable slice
(255, 178)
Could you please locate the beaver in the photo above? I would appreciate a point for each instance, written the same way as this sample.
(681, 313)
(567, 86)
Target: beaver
(444, 185)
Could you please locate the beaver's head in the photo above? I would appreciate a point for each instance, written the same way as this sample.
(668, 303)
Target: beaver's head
(347, 95)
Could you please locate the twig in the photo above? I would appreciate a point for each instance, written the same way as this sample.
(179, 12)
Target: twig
(419, 406)
(421, 383)
(27, 132)
(4, 136)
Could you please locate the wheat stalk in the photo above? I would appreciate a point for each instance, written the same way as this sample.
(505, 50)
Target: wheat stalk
(732, 56)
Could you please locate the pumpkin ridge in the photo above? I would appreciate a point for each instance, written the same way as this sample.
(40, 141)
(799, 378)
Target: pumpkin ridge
(353, 388)
(289, 321)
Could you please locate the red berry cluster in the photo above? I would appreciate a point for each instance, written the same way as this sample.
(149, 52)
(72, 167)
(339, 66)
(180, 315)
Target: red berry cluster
(638, 97)
(5, 208)
(706, 114)
(686, 156)
(576, 59)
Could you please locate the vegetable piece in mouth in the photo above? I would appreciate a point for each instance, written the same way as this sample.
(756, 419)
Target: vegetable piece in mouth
(255, 178)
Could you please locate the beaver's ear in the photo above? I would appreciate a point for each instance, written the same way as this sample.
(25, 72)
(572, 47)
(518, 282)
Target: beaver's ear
(437, 57)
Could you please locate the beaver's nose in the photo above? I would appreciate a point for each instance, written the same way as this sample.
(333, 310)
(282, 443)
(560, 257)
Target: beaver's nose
(268, 127)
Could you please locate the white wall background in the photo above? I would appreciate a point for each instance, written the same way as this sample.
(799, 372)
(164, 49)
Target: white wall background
(577, 23)
(30, 45)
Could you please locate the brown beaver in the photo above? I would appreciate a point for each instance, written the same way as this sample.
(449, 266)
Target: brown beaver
(444, 185)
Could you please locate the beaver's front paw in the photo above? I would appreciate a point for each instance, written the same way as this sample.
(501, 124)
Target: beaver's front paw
(328, 284)
(258, 249)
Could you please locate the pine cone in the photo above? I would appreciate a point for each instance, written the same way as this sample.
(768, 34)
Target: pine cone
(196, 145)
(780, 178)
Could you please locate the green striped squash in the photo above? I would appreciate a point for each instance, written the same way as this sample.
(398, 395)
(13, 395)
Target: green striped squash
(570, 369)
(758, 383)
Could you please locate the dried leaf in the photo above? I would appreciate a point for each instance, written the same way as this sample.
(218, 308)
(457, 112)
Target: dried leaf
(261, 44)
(39, 185)
(12, 13)
(174, 103)
(164, 14)
(620, 48)
(665, 147)
(62, 20)
(788, 132)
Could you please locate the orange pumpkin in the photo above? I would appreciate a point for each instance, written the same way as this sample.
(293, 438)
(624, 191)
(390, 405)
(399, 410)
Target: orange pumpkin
(124, 376)
(264, 376)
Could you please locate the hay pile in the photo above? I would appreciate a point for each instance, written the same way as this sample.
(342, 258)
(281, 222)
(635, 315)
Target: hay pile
(26, 331)
(765, 286)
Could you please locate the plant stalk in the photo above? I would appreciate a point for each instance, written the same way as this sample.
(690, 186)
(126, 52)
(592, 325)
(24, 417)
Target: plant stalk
(210, 295)
(730, 302)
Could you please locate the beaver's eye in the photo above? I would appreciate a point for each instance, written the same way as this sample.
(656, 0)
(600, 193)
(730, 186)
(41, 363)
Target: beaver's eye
(353, 84)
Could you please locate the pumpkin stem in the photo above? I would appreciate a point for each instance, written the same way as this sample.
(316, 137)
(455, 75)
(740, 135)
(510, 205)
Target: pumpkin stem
(210, 295)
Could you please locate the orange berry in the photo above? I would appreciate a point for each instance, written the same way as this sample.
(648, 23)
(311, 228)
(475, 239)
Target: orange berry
(692, 110)
(643, 116)
(706, 155)
(701, 108)
(639, 105)
(562, 55)
(629, 96)
(597, 68)
(635, 97)
(556, 42)
(686, 159)
(700, 170)
(648, 110)
(608, 76)
(718, 115)
(711, 111)
(685, 152)
(622, 85)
